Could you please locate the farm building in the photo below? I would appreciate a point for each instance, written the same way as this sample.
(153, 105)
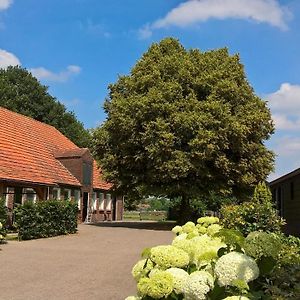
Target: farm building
(286, 195)
(38, 163)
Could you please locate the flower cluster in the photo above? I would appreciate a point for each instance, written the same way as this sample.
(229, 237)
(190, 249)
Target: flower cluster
(169, 256)
(141, 268)
(235, 266)
(179, 279)
(258, 244)
(203, 260)
(198, 284)
(157, 286)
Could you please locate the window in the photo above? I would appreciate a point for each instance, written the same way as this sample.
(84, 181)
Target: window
(9, 195)
(28, 194)
(101, 201)
(292, 190)
(94, 201)
(77, 197)
(56, 193)
(87, 173)
(108, 201)
(67, 194)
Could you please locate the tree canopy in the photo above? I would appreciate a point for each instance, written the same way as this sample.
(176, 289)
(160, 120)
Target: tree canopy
(185, 123)
(23, 93)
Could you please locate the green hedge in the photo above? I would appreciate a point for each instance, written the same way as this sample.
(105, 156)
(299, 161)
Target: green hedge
(46, 219)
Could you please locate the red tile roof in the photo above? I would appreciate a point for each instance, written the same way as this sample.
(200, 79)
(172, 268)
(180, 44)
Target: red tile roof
(28, 148)
(98, 182)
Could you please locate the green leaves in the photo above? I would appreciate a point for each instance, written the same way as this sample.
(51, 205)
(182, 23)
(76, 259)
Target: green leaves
(184, 123)
(266, 265)
(45, 219)
(23, 93)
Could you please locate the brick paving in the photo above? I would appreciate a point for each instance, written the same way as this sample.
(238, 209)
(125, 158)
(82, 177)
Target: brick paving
(93, 264)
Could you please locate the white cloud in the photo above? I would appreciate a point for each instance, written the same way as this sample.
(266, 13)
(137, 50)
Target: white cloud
(94, 28)
(145, 32)
(285, 106)
(195, 11)
(62, 76)
(288, 146)
(5, 4)
(287, 151)
(8, 59)
(286, 99)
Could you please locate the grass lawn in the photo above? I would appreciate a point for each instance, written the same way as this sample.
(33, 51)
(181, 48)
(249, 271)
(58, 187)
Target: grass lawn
(145, 215)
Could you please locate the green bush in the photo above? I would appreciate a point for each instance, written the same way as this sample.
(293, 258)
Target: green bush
(3, 219)
(257, 214)
(3, 212)
(208, 261)
(45, 219)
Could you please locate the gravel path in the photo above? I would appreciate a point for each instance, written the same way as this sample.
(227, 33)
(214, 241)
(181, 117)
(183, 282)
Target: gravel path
(93, 264)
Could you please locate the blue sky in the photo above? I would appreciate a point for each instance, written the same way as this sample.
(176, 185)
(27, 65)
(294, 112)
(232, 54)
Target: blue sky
(78, 47)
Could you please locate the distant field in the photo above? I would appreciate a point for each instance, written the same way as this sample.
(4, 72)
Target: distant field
(145, 215)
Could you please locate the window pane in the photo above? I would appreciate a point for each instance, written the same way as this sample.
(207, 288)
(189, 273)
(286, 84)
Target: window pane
(87, 173)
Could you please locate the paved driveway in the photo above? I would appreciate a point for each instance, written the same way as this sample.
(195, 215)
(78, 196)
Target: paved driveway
(93, 264)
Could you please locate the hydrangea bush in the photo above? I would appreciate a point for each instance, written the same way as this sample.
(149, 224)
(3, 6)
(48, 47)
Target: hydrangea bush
(207, 261)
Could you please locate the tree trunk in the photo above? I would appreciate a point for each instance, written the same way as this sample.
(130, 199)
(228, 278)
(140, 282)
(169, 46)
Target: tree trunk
(185, 212)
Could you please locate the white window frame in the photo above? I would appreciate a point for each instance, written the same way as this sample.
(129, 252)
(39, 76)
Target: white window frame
(8, 193)
(77, 198)
(101, 201)
(24, 195)
(108, 202)
(94, 201)
(58, 193)
(69, 194)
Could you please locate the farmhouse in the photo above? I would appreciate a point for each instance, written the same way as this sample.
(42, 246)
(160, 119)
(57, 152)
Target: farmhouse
(286, 195)
(37, 163)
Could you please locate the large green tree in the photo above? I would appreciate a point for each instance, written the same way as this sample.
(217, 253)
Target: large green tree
(23, 93)
(185, 123)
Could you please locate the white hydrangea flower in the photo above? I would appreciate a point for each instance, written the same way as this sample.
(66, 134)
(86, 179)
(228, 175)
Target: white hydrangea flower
(197, 285)
(213, 229)
(141, 268)
(208, 220)
(181, 242)
(188, 227)
(201, 229)
(169, 256)
(204, 250)
(235, 266)
(179, 279)
(177, 229)
(132, 298)
(236, 298)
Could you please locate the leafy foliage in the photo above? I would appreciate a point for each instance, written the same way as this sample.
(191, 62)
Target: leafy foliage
(218, 264)
(45, 219)
(3, 211)
(184, 123)
(257, 214)
(23, 93)
(3, 219)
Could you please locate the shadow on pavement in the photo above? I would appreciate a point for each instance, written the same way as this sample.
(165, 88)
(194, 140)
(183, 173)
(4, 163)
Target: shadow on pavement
(148, 225)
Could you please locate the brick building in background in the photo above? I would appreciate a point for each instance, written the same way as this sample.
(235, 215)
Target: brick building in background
(286, 195)
(38, 163)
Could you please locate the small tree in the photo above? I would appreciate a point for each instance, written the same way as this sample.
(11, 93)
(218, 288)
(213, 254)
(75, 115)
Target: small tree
(257, 214)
